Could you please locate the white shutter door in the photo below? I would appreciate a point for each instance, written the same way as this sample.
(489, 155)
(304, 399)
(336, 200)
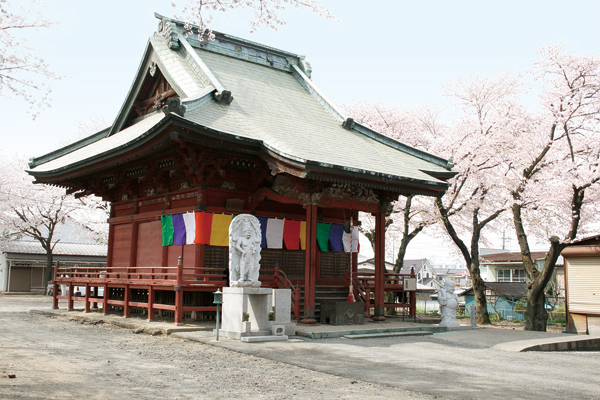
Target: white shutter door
(583, 284)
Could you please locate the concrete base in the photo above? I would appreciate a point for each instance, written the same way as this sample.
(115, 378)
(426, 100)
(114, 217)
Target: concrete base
(257, 303)
(342, 313)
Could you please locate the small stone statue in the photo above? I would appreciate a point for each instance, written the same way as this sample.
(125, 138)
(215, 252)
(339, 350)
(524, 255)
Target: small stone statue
(244, 251)
(449, 303)
(473, 310)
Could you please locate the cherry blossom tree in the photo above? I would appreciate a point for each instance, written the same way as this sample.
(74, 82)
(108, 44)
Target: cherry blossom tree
(23, 75)
(487, 116)
(418, 128)
(485, 112)
(541, 168)
(265, 12)
(556, 174)
(40, 211)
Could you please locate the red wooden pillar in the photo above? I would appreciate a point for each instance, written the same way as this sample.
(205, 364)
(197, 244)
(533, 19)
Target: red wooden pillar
(86, 307)
(354, 256)
(107, 274)
(165, 262)
(179, 293)
(55, 291)
(379, 311)
(150, 303)
(70, 297)
(126, 299)
(310, 265)
(95, 292)
(105, 302)
(133, 251)
(111, 243)
(413, 298)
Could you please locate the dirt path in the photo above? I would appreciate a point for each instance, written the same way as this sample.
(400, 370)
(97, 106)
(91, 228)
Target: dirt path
(47, 357)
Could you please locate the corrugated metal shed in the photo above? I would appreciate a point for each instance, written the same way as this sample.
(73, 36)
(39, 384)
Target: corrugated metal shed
(72, 249)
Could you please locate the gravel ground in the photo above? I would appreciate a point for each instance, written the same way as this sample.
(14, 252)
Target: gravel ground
(44, 357)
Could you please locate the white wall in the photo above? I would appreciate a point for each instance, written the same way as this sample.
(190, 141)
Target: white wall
(3, 273)
(432, 305)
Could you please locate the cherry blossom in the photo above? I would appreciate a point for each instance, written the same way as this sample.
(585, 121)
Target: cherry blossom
(199, 14)
(23, 75)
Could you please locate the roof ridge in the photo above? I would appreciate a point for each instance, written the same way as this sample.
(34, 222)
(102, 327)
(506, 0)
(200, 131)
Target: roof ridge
(202, 70)
(175, 31)
(195, 29)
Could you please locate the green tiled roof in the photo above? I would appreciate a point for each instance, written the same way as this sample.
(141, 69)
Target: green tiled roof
(272, 106)
(274, 103)
(102, 147)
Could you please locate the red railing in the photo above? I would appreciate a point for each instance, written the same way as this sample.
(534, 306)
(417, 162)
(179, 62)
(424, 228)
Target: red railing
(364, 285)
(179, 275)
(361, 292)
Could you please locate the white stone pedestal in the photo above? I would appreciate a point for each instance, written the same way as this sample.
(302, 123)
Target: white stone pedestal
(282, 305)
(257, 302)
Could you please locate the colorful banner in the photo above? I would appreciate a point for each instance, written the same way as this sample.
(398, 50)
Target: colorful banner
(291, 234)
(166, 223)
(275, 233)
(355, 240)
(323, 235)
(178, 230)
(263, 231)
(203, 227)
(347, 241)
(219, 234)
(213, 229)
(303, 235)
(190, 227)
(336, 231)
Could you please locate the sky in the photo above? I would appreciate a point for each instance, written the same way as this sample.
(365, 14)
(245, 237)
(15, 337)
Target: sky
(396, 52)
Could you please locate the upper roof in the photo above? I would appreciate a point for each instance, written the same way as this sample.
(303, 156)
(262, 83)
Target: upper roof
(586, 241)
(512, 257)
(417, 264)
(452, 271)
(247, 92)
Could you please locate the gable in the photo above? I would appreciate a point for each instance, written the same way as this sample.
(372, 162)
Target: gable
(153, 96)
(163, 73)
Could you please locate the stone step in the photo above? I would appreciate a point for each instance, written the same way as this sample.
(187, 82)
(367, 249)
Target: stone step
(386, 334)
(265, 338)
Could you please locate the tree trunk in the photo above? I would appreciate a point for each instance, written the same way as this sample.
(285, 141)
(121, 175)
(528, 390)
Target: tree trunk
(389, 297)
(471, 257)
(483, 317)
(49, 267)
(537, 316)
